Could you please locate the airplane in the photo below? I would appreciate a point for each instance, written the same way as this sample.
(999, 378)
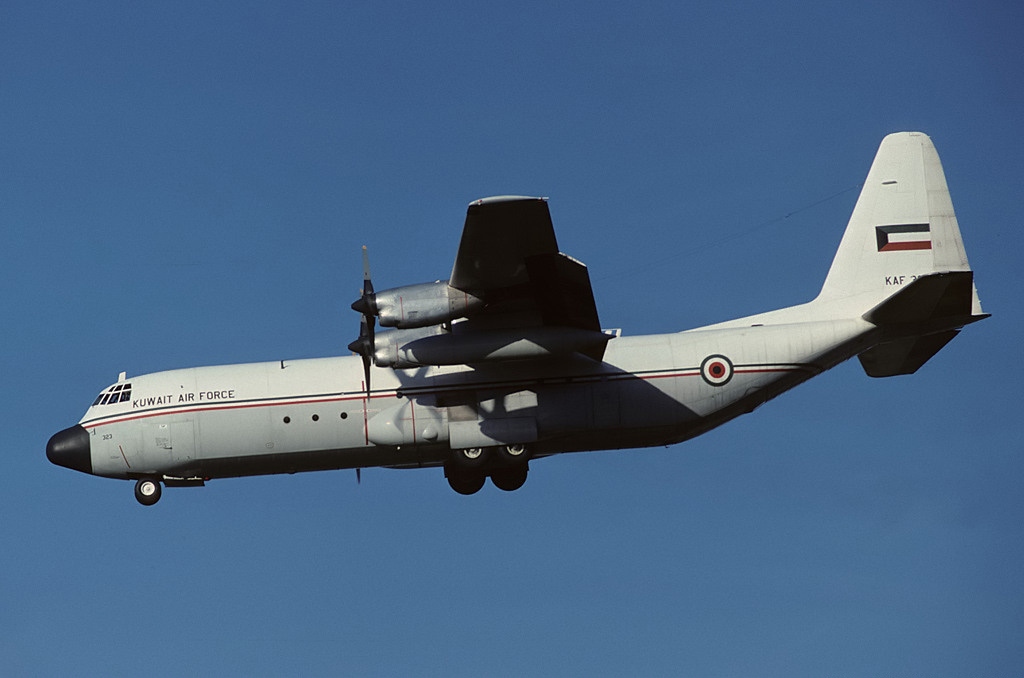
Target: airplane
(506, 362)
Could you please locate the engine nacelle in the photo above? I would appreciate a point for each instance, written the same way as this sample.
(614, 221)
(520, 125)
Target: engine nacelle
(388, 345)
(424, 305)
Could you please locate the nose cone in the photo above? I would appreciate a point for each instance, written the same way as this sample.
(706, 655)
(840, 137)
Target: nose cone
(70, 449)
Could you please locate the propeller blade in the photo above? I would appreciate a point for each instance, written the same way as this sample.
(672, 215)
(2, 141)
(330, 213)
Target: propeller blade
(367, 285)
(366, 305)
(364, 347)
(366, 373)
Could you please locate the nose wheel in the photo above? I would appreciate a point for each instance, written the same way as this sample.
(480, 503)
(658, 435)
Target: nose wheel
(147, 491)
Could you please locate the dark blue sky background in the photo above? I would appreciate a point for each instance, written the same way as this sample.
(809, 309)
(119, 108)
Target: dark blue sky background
(190, 183)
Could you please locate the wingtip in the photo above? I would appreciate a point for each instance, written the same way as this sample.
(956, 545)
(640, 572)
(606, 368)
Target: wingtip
(505, 198)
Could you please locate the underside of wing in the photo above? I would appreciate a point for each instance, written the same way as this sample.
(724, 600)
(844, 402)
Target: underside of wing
(508, 256)
(499, 235)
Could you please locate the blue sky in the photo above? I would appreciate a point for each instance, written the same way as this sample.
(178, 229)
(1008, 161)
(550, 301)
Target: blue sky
(187, 184)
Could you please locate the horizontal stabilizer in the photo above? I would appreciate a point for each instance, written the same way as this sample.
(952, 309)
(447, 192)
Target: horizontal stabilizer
(935, 301)
(903, 356)
(919, 320)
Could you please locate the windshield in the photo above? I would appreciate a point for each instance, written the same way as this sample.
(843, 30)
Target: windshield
(118, 393)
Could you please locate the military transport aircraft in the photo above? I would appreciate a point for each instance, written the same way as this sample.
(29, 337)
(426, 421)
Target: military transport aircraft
(506, 362)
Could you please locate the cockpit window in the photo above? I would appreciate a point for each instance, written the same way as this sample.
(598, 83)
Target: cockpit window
(118, 393)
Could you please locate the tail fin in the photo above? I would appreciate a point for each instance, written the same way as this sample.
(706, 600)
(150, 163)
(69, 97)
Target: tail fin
(901, 263)
(902, 228)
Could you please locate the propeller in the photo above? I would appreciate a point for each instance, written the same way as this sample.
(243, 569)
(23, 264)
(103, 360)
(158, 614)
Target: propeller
(366, 304)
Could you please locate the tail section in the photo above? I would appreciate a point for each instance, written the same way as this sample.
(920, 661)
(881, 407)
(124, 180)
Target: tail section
(901, 264)
(902, 228)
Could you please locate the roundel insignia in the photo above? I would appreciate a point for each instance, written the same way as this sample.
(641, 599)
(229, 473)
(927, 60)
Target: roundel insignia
(716, 370)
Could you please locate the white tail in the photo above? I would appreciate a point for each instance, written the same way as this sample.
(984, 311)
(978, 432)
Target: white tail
(901, 264)
(902, 228)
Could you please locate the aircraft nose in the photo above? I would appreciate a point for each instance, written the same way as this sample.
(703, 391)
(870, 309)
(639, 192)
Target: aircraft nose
(70, 449)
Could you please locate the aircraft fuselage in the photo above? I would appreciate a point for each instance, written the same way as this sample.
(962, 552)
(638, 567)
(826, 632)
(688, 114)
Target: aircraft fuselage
(506, 361)
(304, 415)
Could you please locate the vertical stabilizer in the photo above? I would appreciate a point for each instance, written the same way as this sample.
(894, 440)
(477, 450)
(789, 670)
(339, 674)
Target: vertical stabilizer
(902, 228)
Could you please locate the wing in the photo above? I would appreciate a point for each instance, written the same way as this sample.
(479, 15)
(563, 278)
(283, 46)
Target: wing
(508, 256)
(499, 235)
(511, 296)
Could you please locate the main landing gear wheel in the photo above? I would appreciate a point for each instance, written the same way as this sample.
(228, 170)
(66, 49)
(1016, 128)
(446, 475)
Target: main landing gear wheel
(464, 481)
(514, 454)
(147, 491)
(511, 478)
(471, 457)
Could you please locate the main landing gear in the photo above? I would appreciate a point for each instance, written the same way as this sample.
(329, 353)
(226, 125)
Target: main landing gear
(147, 491)
(469, 468)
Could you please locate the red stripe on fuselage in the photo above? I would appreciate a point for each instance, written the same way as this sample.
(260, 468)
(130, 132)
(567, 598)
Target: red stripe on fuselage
(691, 372)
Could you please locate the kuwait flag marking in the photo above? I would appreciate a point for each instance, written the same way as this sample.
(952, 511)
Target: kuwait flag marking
(903, 237)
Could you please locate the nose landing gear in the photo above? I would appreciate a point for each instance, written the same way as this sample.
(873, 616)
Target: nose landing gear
(147, 491)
